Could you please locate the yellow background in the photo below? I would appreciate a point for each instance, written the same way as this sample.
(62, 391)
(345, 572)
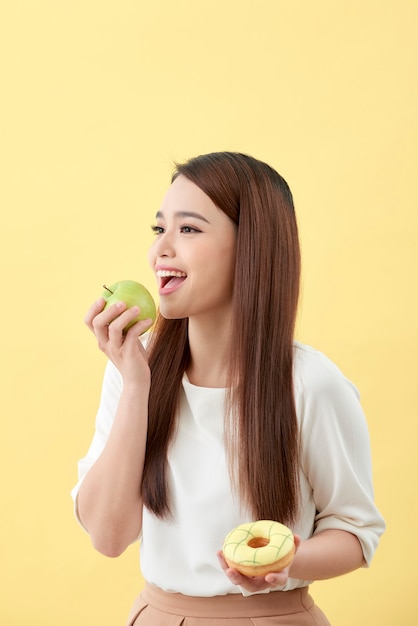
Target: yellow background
(98, 99)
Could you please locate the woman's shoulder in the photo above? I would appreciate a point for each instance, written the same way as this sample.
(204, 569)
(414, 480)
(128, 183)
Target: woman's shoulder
(314, 372)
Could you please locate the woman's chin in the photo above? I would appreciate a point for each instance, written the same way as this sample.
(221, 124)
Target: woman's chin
(170, 314)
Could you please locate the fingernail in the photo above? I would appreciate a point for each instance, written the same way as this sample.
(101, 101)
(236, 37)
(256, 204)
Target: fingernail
(120, 305)
(135, 309)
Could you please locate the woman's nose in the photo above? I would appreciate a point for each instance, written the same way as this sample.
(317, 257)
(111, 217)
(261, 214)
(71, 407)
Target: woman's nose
(164, 245)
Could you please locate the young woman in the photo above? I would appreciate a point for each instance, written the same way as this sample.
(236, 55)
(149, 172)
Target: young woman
(219, 417)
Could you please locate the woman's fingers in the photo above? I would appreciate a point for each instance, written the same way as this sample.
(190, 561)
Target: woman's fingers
(94, 310)
(109, 324)
(139, 328)
(100, 324)
(277, 579)
(257, 583)
(234, 575)
(121, 347)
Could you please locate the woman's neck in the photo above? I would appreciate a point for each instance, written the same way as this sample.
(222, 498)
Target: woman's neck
(209, 353)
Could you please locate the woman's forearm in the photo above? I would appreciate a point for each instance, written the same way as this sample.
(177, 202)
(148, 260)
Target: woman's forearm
(327, 554)
(109, 501)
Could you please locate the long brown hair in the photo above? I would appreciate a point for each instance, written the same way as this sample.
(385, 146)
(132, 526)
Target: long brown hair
(261, 431)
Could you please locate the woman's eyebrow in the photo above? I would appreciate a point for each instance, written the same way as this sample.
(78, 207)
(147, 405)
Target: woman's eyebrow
(184, 214)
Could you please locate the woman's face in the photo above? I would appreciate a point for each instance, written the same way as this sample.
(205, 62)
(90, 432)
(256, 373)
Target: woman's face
(193, 255)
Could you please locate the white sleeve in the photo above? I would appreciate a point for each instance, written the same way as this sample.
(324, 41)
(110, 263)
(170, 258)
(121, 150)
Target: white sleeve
(335, 456)
(111, 391)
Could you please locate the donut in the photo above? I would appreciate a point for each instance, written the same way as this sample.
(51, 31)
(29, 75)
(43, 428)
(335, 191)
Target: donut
(257, 548)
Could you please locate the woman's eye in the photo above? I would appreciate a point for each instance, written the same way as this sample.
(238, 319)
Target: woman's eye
(186, 229)
(189, 229)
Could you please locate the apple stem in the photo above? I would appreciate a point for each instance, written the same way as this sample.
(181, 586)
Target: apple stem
(107, 289)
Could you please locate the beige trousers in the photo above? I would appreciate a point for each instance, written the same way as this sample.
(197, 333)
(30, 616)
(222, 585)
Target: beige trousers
(155, 607)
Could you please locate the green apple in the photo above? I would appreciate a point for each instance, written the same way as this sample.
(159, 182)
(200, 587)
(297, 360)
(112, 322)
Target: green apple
(132, 294)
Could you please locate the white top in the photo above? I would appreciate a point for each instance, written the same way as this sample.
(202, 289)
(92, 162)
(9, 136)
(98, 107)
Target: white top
(336, 479)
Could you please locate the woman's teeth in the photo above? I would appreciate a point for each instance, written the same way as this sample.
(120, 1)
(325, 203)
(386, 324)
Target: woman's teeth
(165, 273)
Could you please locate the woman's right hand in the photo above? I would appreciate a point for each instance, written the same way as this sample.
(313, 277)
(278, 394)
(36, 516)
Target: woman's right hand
(125, 350)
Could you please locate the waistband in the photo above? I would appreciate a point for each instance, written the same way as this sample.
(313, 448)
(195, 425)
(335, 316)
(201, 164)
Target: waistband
(232, 605)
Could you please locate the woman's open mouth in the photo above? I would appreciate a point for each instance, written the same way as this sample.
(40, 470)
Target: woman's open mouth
(170, 280)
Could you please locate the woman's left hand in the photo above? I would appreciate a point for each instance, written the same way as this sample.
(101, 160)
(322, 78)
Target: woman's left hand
(257, 583)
